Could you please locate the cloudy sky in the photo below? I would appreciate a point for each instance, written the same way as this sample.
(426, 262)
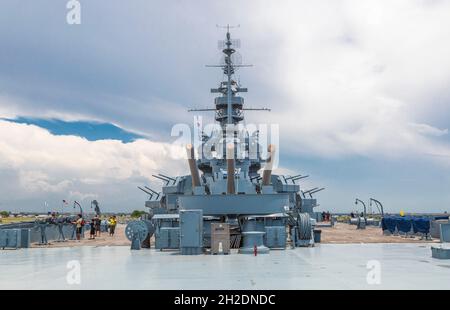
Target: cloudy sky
(360, 89)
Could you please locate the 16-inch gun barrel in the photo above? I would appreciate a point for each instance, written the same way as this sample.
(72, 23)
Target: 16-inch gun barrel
(269, 165)
(231, 187)
(193, 166)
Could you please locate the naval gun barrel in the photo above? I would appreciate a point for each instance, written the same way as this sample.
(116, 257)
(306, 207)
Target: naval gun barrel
(311, 190)
(317, 190)
(300, 177)
(167, 177)
(147, 192)
(269, 165)
(154, 192)
(193, 166)
(231, 187)
(293, 177)
(161, 178)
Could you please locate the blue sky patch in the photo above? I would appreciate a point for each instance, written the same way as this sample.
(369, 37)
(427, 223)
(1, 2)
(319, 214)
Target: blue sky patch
(91, 131)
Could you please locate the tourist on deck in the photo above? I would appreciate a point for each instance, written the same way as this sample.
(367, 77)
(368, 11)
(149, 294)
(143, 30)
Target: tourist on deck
(112, 225)
(97, 225)
(79, 225)
(92, 229)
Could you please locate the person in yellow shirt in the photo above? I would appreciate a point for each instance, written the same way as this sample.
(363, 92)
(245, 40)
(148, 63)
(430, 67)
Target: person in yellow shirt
(112, 225)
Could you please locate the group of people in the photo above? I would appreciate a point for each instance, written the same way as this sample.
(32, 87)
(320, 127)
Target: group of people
(95, 226)
(326, 216)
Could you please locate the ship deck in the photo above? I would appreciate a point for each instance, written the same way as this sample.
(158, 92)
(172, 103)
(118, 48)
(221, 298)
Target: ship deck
(326, 266)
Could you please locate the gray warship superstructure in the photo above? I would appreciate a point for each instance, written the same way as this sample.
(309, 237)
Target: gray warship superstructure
(230, 182)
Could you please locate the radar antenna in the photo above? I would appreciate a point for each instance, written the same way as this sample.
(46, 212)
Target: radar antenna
(229, 108)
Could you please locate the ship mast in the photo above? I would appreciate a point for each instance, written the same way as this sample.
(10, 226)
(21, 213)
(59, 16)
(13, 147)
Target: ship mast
(229, 106)
(229, 71)
(229, 102)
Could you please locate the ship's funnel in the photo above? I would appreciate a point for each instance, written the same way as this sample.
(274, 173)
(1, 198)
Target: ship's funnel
(193, 166)
(269, 164)
(231, 188)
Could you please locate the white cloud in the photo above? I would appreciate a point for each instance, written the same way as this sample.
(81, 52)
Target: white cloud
(36, 180)
(79, 196)
(75, 168)
(429, 130)
(27, 147)
(354, 75)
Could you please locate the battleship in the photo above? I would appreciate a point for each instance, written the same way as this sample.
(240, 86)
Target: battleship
(232, 223)
(230, 183)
